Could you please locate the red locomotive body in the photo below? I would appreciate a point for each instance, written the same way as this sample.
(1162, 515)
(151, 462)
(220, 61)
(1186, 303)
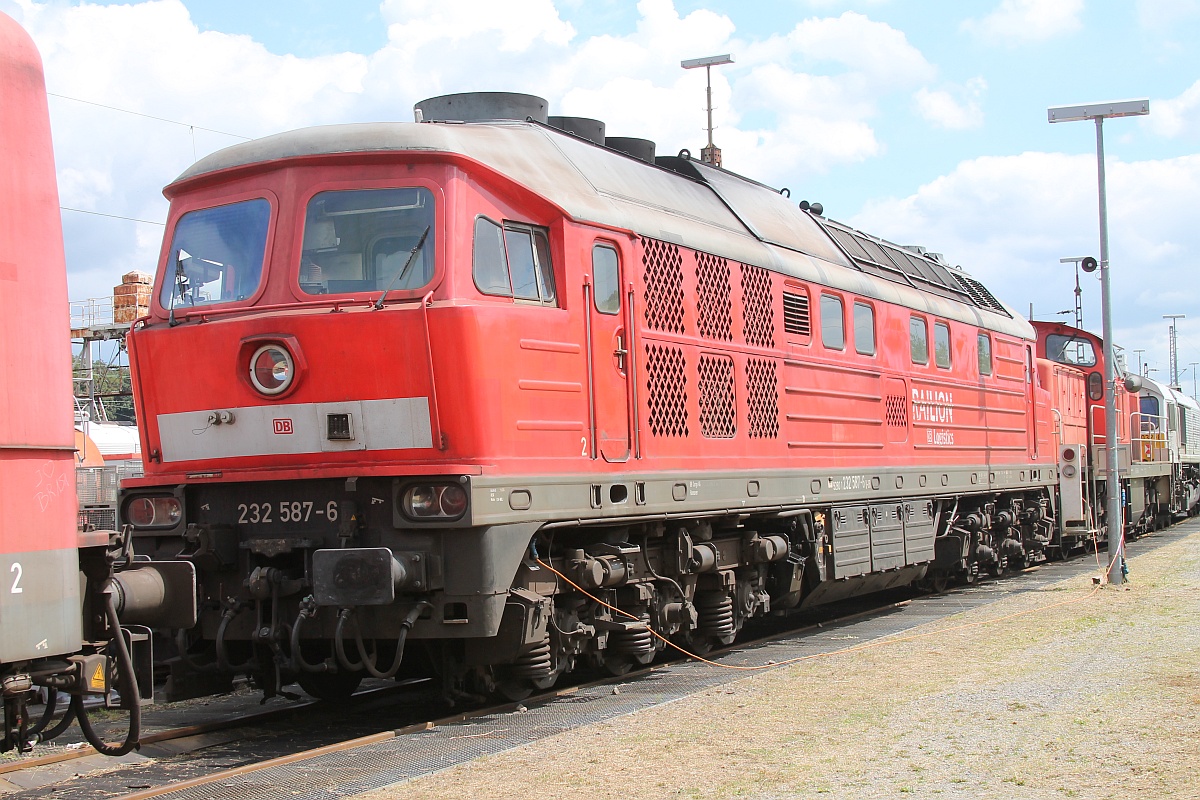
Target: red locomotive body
(1078, 375)
(393, 371)
(1150, 485)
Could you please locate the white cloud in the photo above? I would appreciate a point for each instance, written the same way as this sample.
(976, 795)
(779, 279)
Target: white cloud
(1161, 15)
(1021, 21)
(1008, 221)
(879, 52)
(1178, 115)
(955, 109)
(512, 26)
(789, 117)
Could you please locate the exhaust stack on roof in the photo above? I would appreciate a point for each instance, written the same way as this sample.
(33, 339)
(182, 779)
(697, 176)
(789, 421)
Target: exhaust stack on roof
(481, 106)
(638, 148)
(590, 129)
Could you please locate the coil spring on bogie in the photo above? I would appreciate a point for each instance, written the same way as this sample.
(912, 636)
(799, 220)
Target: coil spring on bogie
(714, 611)
(535, 663)
(635, 643)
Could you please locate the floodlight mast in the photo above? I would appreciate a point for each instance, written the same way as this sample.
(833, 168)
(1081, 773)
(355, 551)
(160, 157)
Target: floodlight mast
(1098, 112)
(711, 154)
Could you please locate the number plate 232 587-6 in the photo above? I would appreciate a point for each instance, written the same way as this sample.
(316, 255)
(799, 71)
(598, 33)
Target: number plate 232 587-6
(286, 511)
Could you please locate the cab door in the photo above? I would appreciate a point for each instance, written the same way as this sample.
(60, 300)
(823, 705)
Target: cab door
(608, 354)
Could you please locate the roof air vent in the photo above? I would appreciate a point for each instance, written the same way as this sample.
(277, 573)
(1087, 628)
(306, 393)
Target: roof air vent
(642, 149)
(589, 129)
(481, 106)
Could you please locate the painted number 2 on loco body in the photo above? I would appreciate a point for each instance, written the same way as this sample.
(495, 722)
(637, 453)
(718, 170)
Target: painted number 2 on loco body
(17, 571)
(284, 511)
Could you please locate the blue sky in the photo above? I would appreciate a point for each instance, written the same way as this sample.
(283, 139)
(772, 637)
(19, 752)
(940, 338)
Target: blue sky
(923, 122)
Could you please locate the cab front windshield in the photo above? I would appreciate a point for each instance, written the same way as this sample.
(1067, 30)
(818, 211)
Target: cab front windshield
(1070, 350)
(217, 255)
(363, 240)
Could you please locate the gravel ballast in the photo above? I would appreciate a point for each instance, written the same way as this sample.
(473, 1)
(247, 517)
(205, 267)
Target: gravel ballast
(1065, 691)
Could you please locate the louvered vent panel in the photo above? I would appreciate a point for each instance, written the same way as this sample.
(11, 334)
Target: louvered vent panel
(663, 278)
(667, 387)
(896, 411)
(756, 306)
(713, 317)
(718, 411)
(762, 398)
(796, 318)
(979, 293)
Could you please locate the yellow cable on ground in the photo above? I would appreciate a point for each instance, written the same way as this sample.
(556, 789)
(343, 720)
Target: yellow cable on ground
(851, 649)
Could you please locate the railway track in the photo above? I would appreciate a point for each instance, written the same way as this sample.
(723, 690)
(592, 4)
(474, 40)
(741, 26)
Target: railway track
(268, 755)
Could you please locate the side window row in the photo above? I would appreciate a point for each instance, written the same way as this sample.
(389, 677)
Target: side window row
(833, 325)
(918, 337)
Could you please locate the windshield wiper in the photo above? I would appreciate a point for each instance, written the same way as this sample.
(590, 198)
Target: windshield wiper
(404, 270)
(183, 283)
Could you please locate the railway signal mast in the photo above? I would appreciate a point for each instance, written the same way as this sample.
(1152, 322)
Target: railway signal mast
(1078, 289)
(1174, 350)
(711, 154)
(1099, 112)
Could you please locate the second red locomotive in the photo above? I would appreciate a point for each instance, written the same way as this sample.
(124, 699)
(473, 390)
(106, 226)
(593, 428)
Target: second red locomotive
(392, 371)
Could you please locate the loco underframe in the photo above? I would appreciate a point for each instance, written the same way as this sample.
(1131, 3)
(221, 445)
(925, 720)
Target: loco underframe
(326, 581)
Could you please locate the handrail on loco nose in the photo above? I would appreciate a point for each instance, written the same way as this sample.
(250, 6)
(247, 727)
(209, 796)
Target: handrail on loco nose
(435, 417)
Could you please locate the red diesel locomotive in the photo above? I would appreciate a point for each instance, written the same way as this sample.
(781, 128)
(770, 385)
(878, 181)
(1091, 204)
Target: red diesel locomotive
(394, 371)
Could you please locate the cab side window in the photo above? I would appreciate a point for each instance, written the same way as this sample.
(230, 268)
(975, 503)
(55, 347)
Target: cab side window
(513, 260)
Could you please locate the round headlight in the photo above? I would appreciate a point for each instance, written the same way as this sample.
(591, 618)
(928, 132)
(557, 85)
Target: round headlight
(454, 501)
(422, 501)
(1068, 471)
(1068, 454)
(271, 369)
(140, 512)
(154, 512)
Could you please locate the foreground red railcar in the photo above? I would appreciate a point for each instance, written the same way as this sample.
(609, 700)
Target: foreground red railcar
(394, 372)
(39, 562)
(63, 587)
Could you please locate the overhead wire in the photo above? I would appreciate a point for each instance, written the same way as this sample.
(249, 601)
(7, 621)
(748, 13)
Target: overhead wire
(191, 128)
(149, 116)
(113, 216)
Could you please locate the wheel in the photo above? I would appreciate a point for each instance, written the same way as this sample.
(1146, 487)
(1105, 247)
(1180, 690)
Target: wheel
(938, 582)
(329, 686)
(695, 643)
(514, 689)
(617, 665)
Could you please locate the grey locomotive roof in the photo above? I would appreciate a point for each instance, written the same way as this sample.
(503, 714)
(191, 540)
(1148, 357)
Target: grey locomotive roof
(708, 209)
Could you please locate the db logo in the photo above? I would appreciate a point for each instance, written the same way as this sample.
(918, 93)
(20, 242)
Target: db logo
(282, 425)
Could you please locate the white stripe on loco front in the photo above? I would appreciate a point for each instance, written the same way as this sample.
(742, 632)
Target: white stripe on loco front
(395, 424)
